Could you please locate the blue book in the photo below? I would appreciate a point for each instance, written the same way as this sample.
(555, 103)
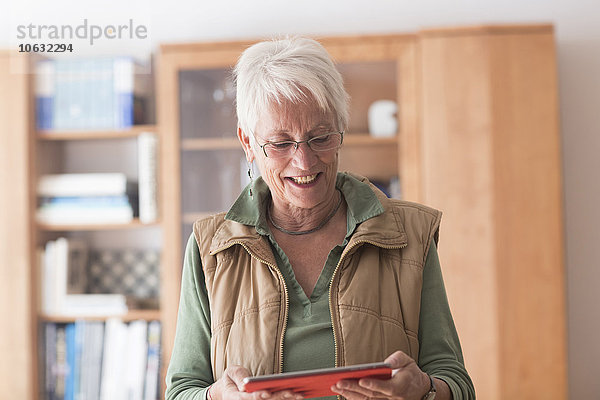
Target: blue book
(102, 98)
(44, 94)
(87, 75)
(124, 78)
(62, 94)
(86, 201)
(70, 372)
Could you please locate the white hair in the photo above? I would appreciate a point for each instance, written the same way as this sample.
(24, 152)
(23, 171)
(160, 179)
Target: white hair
(295, 69)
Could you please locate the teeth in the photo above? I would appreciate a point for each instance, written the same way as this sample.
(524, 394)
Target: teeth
(304, 179)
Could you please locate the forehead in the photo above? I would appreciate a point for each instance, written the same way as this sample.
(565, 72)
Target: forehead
(292, 118)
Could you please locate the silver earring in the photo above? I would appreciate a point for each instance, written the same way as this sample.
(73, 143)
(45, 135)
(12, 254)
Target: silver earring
(251, 176)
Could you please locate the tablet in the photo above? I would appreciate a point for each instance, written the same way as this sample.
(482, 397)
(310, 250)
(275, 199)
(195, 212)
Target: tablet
(316, 382)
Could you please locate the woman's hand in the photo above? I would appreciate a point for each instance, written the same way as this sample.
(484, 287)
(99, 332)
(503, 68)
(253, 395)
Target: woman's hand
(230, 387)
(408, 382)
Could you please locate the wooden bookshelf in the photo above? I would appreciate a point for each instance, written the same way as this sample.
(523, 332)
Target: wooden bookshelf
(95, 134)
(135, 224)
(132, 315)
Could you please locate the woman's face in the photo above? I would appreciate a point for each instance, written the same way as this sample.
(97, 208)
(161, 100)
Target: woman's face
(304, 179)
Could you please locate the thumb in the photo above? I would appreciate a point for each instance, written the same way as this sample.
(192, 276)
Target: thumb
(398, 360)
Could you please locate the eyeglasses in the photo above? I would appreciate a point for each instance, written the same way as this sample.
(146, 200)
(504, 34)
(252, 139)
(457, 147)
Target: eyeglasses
(286, 148)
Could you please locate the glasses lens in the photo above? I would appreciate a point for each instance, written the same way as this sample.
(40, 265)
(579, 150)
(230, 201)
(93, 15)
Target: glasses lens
(329, 141)
(279, 149)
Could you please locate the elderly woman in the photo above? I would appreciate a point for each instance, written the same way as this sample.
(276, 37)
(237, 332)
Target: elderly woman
(310, 268)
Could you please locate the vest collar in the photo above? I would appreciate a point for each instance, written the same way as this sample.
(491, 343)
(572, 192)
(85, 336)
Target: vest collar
(372, 218)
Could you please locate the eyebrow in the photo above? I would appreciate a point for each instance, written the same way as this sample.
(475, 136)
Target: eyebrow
(286, 133)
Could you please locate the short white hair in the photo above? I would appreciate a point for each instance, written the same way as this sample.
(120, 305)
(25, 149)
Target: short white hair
(294, 69)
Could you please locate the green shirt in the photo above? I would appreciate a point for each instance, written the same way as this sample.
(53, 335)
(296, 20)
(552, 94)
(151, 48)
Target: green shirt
(308, 340)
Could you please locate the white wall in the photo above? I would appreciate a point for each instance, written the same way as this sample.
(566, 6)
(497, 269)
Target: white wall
(578, 39)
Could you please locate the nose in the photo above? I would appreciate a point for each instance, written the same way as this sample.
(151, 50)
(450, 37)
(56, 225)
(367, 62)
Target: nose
(304, 157)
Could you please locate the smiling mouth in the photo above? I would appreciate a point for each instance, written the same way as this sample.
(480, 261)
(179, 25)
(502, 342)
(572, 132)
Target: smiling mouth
(304, 180)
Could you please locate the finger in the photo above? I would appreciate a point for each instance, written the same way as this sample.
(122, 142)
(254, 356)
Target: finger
(382, 387)
(286, 395)
(353, 395)
(260, 395)
(353, 386)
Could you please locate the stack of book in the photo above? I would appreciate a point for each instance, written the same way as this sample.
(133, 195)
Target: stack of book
(103, 93)
(95, 198)
(94, 360)
(147, 146)
(63, 270)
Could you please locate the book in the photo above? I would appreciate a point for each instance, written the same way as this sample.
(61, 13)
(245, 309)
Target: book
(49, 295)
(113, 383)
(103, 102)
(91, 360)
(86, 210)
(92, 93)
(147, 177)
(63, 272)
(44, 94)
(97, 345)
(153, 363)
(60, 369)
(81, 185)
(84, 216)
(93, 198)
(70, 361)
(90, 305)
(79, 338)
(50, 370)
(137, 356)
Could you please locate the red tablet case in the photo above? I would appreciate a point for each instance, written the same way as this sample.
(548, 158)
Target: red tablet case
(316, 383)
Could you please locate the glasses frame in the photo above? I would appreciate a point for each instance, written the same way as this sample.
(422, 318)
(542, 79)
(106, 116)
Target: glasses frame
(298, 142)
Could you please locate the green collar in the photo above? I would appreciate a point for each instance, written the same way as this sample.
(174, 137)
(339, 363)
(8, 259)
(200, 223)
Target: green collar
(251, 210)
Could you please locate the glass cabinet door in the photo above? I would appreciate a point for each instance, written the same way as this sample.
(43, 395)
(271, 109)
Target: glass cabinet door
(369, 150)
(213, 164)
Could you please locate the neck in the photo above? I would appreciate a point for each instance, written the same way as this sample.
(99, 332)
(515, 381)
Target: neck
(312, 226)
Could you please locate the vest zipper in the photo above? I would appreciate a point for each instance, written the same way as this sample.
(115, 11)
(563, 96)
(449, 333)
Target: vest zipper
(346, 251)
(273, 266)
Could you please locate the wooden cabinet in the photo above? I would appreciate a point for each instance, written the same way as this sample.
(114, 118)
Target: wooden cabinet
(491, 162)
(26, 155)
(17, 300)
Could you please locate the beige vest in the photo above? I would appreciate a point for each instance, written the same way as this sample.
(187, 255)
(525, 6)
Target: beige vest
(374, 298)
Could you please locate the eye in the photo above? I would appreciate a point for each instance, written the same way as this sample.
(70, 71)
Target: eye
(281, 145)
(321, 139)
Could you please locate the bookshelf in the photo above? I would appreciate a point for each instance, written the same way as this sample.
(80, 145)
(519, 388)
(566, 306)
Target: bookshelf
(147, 315)
(133, 132)
(135, 224)
(49, 144)
(31, 153)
